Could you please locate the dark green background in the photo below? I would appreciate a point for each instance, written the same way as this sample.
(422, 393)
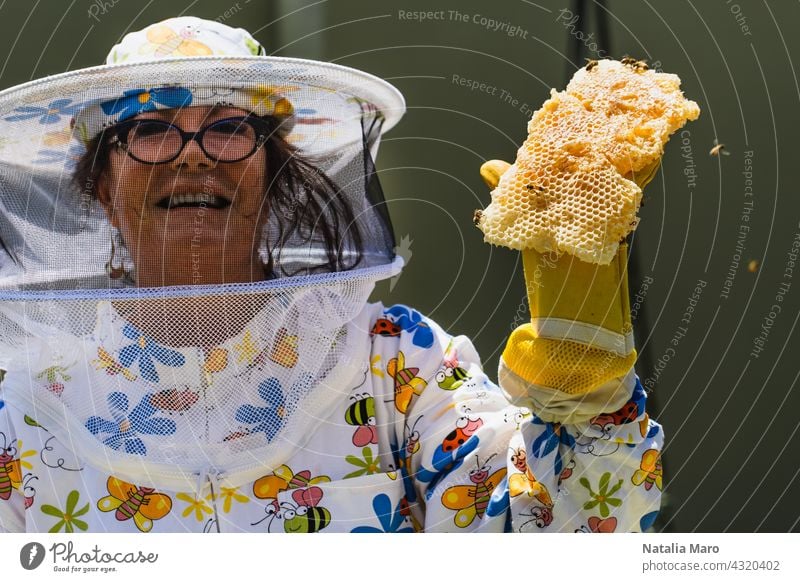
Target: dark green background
(730, 418)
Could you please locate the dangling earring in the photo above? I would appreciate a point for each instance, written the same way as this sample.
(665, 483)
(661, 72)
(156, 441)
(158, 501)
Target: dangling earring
(112, 271)
(269, 264)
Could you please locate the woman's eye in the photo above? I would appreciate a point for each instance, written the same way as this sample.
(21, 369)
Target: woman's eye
(149, 129)
(229, 128)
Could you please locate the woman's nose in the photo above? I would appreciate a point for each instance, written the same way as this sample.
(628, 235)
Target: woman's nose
(192, 158)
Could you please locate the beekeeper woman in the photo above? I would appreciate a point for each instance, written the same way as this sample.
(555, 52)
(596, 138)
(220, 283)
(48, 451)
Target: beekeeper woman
(186, 335)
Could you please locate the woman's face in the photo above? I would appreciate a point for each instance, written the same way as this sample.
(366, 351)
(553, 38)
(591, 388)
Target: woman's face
(191, 220)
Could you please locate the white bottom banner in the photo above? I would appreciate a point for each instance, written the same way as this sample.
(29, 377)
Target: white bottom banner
(398, 557)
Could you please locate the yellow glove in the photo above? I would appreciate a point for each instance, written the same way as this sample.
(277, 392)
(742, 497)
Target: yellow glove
(580, 335)
(568, 191)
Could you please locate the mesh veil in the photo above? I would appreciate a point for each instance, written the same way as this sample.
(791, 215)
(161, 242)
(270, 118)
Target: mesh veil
(235, 372)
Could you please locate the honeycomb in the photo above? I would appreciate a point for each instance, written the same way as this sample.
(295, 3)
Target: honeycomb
(568, 190)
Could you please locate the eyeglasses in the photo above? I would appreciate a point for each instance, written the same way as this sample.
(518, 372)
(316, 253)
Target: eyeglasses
(152, 141)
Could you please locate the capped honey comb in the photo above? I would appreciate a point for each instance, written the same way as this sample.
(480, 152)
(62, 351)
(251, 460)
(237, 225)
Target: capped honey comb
(569, 188)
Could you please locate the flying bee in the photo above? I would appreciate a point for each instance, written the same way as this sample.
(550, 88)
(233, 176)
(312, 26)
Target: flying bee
(143, 504)
(361, 414)
(307, 516)
(471, 501)
(590, 64)
(406, 382)
(719, 148)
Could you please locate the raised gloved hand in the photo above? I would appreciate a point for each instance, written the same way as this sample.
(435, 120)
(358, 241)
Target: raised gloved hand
(567, 203)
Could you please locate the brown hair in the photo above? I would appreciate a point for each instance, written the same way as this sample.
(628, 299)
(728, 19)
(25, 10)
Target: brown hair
(303, 201)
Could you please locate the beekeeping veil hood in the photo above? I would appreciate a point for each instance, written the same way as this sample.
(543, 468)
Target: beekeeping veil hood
(228, 372)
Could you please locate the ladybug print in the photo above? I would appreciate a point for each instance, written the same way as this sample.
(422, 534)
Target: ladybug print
(454, 439)
(628, 413)
(465, 428)
(386, 327)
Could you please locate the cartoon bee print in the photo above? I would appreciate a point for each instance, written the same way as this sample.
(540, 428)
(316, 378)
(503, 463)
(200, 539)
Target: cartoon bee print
(283, 479)
(307, 516)
(10, 468)
(451, 376)
(28, 491)
(406, 382)
(539, 516)
(273, 512)
(650, 472)
(471, 501)
(361, 414)
(106, 362)
(142, 504)
(165, 42)
(525, 482)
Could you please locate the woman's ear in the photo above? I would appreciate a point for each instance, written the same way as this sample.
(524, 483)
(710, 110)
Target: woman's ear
(103, 194)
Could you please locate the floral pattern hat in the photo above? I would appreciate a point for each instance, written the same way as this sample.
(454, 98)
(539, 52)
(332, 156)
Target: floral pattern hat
(182, 62)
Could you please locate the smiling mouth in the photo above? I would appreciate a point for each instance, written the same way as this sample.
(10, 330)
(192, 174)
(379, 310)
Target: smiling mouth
(194, 200)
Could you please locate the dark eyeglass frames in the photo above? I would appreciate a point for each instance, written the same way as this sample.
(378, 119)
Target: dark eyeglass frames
(153, 141)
